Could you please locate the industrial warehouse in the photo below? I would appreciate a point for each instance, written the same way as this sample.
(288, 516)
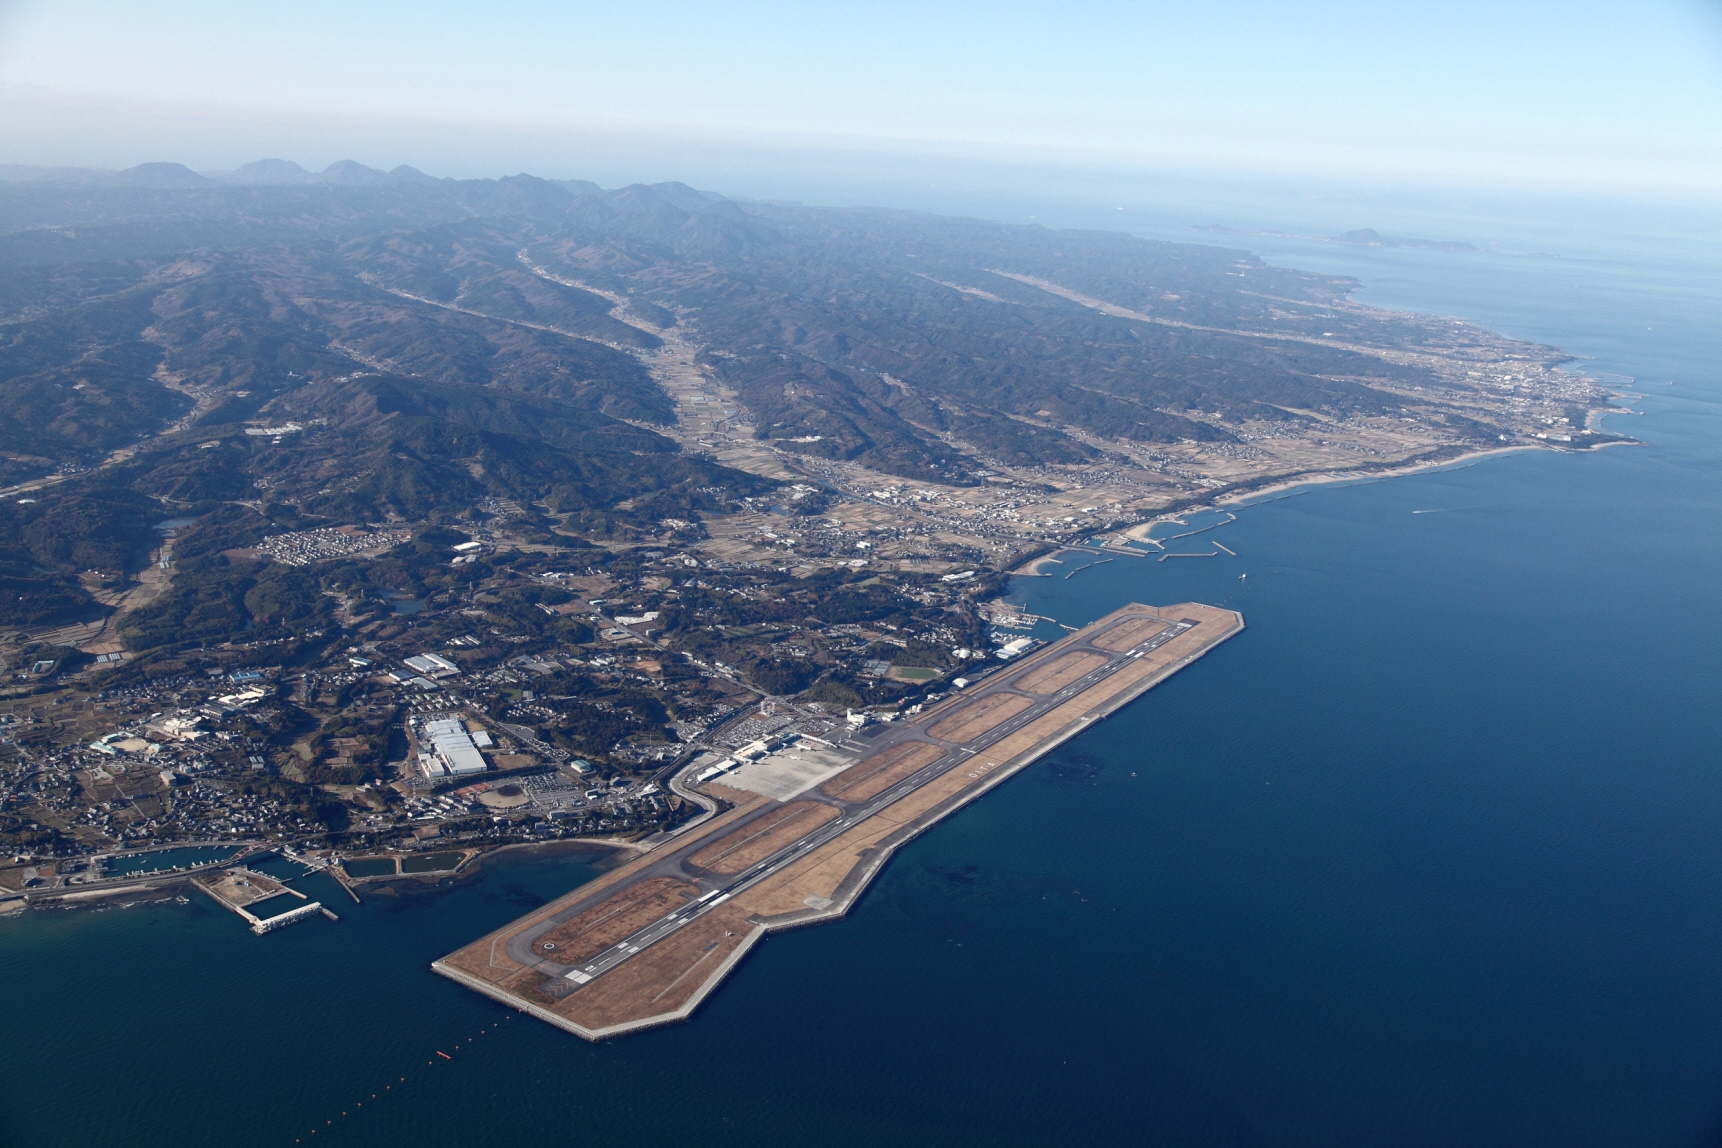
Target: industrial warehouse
(447, 749)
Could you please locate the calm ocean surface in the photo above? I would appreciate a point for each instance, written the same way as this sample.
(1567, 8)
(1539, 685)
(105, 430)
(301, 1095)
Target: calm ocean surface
(1430, 855)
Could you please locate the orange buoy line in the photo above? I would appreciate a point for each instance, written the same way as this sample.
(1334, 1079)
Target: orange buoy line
(403, 1080)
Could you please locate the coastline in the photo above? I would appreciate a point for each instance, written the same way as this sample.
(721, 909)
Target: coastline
(1329, 478)
(612, 849)
(1278, 487)
(1592, 422)
(605, 854)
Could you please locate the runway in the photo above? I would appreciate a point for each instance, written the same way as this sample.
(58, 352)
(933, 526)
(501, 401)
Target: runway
(642, 926)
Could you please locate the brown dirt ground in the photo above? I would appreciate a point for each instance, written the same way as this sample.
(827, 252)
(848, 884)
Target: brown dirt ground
(740, 797)
(610, 920)
(973, 720)
(661, 978)
(822, 871)
(816, 875)
(666, 975)
(1052, 678)
(227, 886)
(873, 775)
(1129, 633)
(487, 958)
(763, 836)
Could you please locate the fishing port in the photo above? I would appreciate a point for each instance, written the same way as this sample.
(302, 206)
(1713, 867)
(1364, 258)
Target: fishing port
(243, 890)
(797, 832)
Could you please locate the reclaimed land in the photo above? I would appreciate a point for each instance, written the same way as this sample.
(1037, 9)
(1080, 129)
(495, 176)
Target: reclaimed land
(644, 944)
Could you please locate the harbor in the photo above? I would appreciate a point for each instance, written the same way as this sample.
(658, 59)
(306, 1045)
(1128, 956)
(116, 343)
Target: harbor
(242, 890)
(225, 873)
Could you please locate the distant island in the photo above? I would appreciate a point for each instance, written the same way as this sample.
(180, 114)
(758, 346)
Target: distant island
(1368, 237)
(377, 515)
(1362, 237)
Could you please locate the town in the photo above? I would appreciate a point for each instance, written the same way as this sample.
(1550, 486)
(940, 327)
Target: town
(521, 703)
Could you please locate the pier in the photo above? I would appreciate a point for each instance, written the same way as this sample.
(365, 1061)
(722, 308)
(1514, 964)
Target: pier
(237, 889)
(1080, 569)
(1230, 518)
(341, 880)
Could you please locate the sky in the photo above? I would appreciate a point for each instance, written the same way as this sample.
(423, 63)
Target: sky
(1604, 98)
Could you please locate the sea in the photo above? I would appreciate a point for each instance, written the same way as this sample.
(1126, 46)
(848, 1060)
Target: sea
(1431, 854)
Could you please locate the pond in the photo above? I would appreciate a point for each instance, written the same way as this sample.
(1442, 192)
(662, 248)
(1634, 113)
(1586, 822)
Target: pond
(431, 862)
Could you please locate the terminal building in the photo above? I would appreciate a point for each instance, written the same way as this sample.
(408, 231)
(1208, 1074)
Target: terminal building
(446, 750)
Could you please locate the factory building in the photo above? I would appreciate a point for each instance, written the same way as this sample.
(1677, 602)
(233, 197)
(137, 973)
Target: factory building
(431, 665)
(447, 750)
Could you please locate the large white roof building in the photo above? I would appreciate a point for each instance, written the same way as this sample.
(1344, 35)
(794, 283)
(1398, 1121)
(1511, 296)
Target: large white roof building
(451, 750)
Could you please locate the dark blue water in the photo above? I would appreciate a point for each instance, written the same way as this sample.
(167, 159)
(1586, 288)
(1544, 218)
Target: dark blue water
(1431, 854)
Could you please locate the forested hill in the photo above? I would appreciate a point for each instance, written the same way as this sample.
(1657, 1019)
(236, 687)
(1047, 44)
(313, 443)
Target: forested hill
(438, 343)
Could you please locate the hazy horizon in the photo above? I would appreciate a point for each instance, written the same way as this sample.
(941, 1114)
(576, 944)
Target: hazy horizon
(1167, 205)
(1525, 99)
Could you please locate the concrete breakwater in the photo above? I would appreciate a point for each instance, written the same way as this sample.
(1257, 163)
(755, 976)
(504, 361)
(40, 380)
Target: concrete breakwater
(1080, 569)
(239, 889)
